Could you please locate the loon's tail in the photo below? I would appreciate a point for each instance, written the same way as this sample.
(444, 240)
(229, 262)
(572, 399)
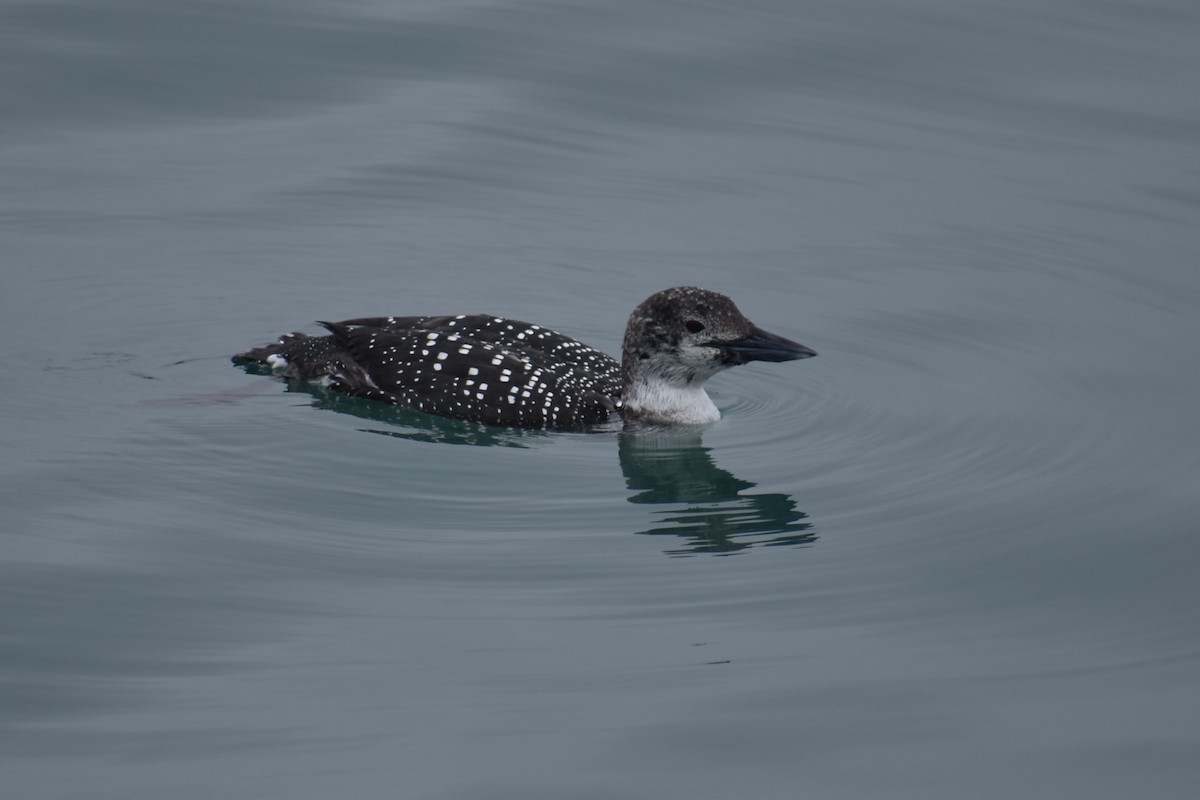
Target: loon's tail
(270, 353)
(294, 355)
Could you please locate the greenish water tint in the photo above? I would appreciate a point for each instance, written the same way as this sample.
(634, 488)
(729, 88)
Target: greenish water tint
(954, 556)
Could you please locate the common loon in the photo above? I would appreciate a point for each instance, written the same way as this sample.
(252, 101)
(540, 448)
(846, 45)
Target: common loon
(507, 372)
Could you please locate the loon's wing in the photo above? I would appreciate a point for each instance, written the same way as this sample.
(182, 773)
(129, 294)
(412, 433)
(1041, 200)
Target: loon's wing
(395, 323)
(467, 377)
(524, 338)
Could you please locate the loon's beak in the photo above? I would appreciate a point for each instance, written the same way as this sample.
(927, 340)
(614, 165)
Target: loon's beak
(762, 346)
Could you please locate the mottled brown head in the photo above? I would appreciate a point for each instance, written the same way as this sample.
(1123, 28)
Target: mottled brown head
(685, 335)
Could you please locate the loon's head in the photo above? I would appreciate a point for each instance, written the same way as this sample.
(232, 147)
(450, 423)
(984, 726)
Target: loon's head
(679, 338)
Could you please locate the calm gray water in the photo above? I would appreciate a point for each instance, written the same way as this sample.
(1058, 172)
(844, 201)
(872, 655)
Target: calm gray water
(955, 556)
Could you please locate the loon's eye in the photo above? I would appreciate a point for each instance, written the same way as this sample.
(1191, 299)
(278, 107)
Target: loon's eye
(693, 326)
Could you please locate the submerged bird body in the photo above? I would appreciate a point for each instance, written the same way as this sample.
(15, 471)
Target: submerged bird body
(508, 372)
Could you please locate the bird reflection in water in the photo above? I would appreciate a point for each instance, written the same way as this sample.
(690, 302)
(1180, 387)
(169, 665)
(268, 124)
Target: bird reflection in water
(708, 508)
(705, 506)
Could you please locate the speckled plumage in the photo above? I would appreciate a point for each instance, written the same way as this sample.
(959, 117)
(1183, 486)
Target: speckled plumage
(508, 372)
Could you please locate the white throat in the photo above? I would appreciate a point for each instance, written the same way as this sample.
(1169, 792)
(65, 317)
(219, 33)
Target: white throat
(660, 401)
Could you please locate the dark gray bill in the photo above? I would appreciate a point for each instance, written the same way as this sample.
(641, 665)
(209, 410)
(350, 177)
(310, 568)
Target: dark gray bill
(763, 346)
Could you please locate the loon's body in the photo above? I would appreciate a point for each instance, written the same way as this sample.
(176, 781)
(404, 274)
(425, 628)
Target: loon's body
(507, 372)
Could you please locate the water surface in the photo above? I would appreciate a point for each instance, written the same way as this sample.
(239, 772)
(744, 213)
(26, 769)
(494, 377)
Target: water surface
(955, 555)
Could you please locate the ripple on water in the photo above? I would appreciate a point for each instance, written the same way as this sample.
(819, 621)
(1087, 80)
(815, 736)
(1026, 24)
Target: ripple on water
(979, 407)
